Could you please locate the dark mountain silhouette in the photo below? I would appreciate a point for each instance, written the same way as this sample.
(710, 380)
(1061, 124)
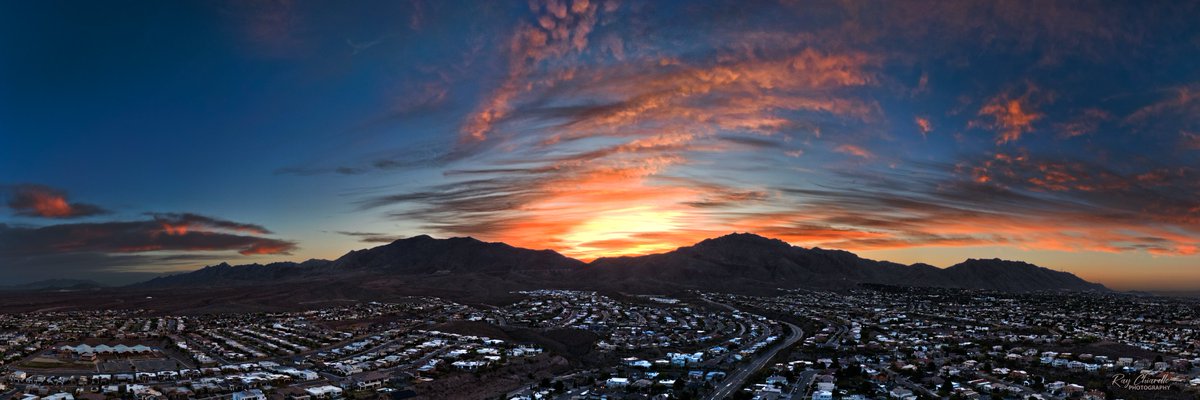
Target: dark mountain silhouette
(1012, 276)
(224, 274)
(747, 259)
(418, 255)
(739, 262)
(743, 259)
(426, 255)
(55, 284)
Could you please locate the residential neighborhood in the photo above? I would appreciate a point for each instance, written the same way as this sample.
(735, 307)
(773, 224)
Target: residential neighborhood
(873, 342)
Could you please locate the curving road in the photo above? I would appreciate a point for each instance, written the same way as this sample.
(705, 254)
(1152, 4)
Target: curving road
(734, 381)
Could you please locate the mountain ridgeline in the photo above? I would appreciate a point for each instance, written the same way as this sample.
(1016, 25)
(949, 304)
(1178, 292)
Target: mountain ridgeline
(739, 262)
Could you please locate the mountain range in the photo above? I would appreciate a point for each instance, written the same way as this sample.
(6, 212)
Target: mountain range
(54, 284)
(739, 262)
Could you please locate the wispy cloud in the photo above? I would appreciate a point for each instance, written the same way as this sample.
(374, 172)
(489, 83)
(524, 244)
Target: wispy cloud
(131, 247)
(854, 151)
(136, 236)
(606, 147)
(372, 237)
(1009, 116)
(558, 30)
(600, 139)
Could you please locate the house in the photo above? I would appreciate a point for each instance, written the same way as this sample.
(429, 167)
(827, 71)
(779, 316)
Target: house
(469, 365)
(823, 395)
(636, 363)
(252, 394)
(294, 393)
(899, 393)
(370, 380)
(617, 382)
(324, 392)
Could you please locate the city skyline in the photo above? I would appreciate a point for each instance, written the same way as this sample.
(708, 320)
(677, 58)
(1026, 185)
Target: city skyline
(139, 139)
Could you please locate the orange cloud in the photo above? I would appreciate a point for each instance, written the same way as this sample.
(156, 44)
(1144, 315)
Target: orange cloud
(1184, 100)
(175, 229)
(1085, 123)
(268, 248)
(854, 151)
(47, 202)
(924, 125)
(559, 30)
(159, 234)
(1011, 117)
(50, 205)
(635, 122)
(595, 159)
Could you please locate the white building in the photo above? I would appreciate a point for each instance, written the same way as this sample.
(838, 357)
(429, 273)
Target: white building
(617, 382)
(252, 394)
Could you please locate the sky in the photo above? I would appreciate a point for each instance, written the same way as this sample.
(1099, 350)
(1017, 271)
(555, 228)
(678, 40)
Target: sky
(141, 138)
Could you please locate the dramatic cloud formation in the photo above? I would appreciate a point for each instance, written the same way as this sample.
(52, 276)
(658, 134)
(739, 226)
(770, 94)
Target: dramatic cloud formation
(46, 202)
(602, 128)
(158, 234)
(162, 241)
(179, 223)
(651, 149)
(559, 30)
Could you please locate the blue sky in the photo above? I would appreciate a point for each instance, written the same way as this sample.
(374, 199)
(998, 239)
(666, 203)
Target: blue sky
(1061, 134)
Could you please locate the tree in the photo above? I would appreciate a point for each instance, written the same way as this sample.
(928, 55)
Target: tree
(946, 388)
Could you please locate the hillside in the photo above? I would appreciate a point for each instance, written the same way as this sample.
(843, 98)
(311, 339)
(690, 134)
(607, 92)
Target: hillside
(739, 262)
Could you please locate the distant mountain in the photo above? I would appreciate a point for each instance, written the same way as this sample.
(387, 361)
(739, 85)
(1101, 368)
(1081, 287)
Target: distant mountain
(745, 260)
(224, 274)
(1012, 276)
(418, 255)
(426, 255)
(54, 284)
(740, 262)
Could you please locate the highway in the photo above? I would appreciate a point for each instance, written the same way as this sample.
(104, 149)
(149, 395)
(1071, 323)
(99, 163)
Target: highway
(734, 381)
(807, 377)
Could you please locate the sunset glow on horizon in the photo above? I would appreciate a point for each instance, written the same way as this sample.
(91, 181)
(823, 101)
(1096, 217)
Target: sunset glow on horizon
(138, 139)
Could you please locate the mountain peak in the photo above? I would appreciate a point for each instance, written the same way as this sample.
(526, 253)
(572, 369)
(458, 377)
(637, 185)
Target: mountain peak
(993, 263)
(1016, 276)
(418, 238)
(423, 254)
(741, 239)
